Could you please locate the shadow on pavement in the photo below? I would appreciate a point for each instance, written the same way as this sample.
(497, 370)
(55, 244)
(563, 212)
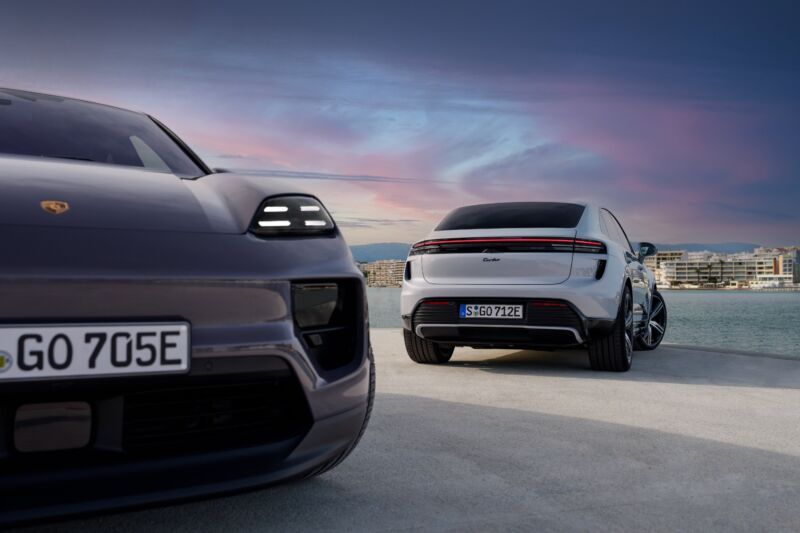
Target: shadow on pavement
(436, 465)
(664, 365)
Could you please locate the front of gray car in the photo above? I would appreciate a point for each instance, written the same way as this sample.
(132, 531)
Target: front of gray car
(166, 332)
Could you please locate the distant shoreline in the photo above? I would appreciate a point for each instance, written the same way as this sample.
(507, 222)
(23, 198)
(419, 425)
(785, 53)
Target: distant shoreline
(740, 289)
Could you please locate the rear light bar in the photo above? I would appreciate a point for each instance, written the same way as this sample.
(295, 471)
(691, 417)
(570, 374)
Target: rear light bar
(589, 247)
(533, 303)
(508, 244)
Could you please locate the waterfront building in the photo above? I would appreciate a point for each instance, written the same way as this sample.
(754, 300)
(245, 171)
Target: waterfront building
(384, 273)
(763, 268)
(654, 261)
(699, 256)
(775, 281)
(717, 270)
(789, 265)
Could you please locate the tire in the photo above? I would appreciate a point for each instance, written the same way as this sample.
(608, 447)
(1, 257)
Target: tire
(426, 352)
(336, 461)
(656, 325)
(614, 351)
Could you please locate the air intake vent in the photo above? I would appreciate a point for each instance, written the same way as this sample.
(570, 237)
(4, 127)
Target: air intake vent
(601, 269)
(329, 317)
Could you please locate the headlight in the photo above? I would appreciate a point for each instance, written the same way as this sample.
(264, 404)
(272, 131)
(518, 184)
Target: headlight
(292, 215)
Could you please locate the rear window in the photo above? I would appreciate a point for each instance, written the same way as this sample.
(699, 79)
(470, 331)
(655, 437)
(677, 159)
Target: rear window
(513, 215)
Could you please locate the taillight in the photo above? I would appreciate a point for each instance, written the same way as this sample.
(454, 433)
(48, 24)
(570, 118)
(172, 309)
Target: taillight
(589, 247)
(508, 245)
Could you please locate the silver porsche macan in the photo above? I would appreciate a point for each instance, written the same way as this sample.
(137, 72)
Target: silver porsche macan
(541, 275)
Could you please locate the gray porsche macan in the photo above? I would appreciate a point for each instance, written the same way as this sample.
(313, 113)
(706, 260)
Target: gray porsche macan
(166, 331)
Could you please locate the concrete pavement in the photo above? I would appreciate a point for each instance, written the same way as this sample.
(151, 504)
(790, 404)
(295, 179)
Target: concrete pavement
(504, 440)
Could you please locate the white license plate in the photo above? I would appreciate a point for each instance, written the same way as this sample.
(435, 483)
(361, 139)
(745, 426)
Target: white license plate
(96, 350)
(491, 311)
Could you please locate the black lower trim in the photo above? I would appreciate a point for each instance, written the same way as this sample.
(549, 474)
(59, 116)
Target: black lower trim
(539, 312)
(500, 336)
(599, 327)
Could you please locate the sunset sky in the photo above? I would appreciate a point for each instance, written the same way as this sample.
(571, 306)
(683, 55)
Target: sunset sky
(682, 117)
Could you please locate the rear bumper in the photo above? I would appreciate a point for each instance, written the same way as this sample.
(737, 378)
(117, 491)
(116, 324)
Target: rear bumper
(546, 323)
(591, 298)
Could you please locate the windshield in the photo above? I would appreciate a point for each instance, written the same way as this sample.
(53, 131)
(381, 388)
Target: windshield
(513, 215)
(49, 126)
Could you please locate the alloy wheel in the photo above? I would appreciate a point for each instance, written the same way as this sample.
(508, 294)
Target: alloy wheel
(656, 326)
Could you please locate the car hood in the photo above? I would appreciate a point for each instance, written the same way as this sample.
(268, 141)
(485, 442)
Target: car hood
(115, 197)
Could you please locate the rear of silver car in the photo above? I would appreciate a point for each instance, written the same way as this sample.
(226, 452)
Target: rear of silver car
(509, 275)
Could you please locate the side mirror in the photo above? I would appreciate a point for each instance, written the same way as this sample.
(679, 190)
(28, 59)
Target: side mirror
(646, 249)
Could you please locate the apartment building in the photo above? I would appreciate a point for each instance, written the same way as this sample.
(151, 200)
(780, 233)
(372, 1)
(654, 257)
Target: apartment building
(384, 273)
(761, 268)
(654, 261)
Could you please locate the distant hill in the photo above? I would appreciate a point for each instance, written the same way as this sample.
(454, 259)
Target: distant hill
(365, 253)
(719, 247)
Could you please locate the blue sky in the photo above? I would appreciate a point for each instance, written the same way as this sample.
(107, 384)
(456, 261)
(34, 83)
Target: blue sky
(681, 117)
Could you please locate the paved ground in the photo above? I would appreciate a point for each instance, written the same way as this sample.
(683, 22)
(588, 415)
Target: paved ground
(688, 440)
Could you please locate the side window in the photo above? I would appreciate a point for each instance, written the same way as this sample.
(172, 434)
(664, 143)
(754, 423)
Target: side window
(149, 157)
(616, 231)
(604, 226)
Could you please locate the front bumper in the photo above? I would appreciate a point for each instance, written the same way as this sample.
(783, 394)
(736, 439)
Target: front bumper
(243, 332)
(46, 485)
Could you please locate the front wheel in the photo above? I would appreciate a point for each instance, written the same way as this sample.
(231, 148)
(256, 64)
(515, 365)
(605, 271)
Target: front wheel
(614, 351)
(426, 352)
(653, 334)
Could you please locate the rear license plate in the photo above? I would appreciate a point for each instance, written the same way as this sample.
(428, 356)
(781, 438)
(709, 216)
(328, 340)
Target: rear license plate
(513, 312)
(96, 350)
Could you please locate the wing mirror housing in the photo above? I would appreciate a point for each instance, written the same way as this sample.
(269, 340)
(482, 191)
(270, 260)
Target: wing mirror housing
(646, 249)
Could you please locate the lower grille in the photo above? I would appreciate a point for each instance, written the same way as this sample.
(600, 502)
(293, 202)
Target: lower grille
(214, 416)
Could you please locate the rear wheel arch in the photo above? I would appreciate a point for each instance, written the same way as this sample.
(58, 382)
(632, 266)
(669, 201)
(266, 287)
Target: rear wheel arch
(613, 351)
(627, 285)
